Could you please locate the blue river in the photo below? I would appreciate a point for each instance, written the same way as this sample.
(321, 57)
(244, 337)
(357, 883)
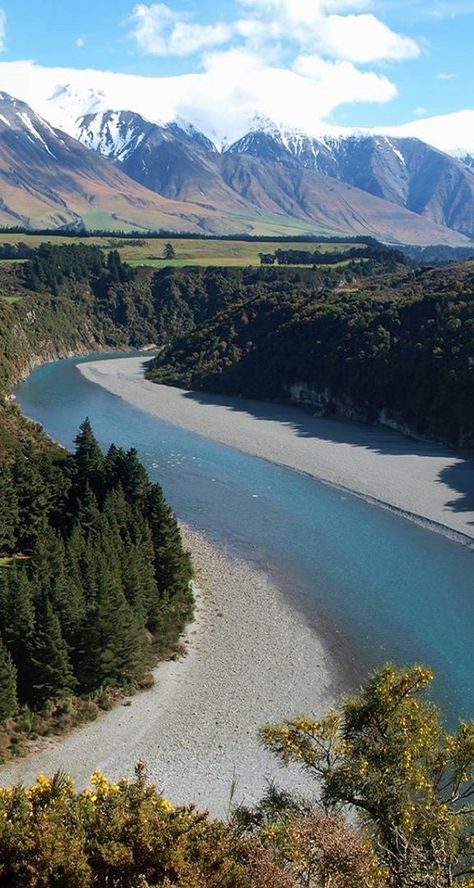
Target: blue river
(376, 586)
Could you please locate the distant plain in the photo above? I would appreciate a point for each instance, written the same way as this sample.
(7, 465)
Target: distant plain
(189, 251)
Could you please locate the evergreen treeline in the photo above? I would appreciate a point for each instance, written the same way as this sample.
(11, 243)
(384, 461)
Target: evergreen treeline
(95, 581)
(390, 258)
(76, 231)
(401, 343)
(51, 265)
(437, 254)
(16, 251)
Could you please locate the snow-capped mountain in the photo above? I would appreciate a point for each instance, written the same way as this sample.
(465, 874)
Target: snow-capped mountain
(48, 179)
(178, 161)
(173, 159)
(24, 123)
(132, 172)
(119, 134)
(404, 171)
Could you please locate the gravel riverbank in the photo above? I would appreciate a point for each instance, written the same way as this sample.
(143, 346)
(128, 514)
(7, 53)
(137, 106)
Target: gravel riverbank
(251, 658)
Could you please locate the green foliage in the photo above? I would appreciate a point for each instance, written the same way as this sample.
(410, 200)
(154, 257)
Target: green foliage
(363, 339)
(9, 514)
(126, 834)
(374, 251)
(105, 585)
(386, 756)
(8, 692)
(395, 811)
(123, 834)
(49, 663)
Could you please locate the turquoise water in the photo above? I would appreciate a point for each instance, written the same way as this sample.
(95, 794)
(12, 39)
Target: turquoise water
(379, 587)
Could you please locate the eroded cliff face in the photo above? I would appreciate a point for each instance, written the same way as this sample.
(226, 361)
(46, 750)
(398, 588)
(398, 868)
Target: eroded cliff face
(32, 352)
(324, 403)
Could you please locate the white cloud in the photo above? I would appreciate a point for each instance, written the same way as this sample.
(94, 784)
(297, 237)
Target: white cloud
(222, 99)
(3, 28)
(303, 97)
(330, 27)
(363, 38)
(158, 30)
(294, 61)
(319, 24)
(341, 82)
(443, 76)
(80, 42)
(453, 133)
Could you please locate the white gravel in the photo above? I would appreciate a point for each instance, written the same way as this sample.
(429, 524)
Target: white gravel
(252, 658)
(424, 480)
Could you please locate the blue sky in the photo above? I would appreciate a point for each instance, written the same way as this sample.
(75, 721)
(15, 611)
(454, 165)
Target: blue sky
(427, 61)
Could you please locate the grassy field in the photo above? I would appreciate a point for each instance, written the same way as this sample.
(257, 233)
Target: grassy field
(150, 251)
(10, 299)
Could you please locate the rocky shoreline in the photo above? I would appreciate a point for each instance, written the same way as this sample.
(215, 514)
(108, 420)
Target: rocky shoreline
(251, 658)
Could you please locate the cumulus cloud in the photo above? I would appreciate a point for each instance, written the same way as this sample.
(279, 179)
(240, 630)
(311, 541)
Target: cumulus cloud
(302, 97)
(3, 28)
(341, 82)
(159, 30)
(320, 24)
(336, 28)
(293, 61)
(363, 38)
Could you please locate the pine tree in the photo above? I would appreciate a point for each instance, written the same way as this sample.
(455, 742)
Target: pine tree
(172, 564)
(88, 460)
(9, 512)
(53, 675)
(112, 462)
(8, 697)
(61, 585)
(17, 622)
(113, 647)
(87, 511)
(133, 477)
(33, 503)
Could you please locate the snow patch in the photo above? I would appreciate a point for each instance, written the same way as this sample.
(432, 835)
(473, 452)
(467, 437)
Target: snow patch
(26, 120)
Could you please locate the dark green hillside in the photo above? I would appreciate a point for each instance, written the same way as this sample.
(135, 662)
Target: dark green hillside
(398, 342)
(94, 581)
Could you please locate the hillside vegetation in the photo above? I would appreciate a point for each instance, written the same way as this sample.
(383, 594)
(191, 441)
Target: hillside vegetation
(373, 341)
(94, 581)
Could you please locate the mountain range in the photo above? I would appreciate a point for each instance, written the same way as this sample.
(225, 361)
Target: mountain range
(118, 170)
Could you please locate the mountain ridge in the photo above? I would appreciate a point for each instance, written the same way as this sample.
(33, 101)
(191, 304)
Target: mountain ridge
(180, 162)
(136, 174)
